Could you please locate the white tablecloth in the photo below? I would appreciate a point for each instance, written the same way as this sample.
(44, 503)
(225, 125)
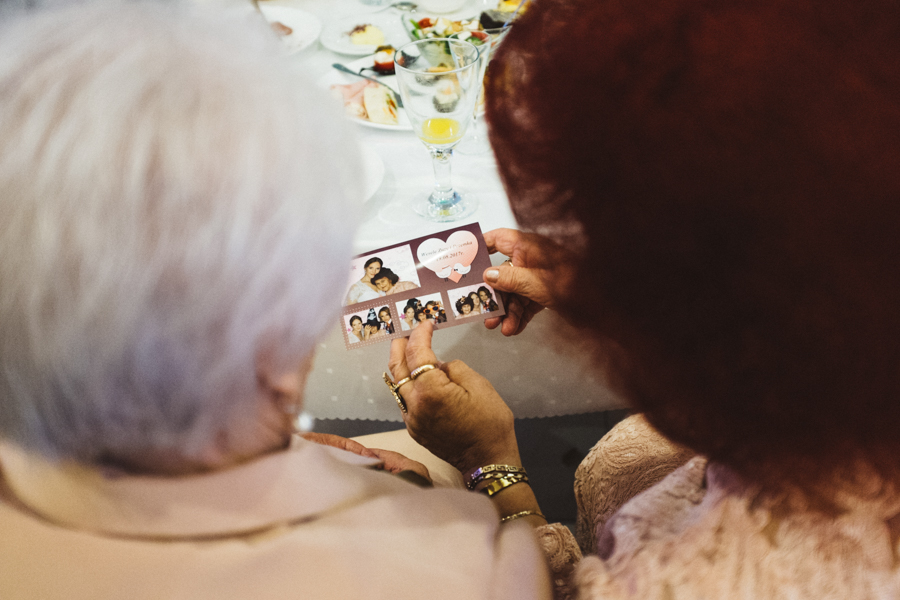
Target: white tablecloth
(533, 372)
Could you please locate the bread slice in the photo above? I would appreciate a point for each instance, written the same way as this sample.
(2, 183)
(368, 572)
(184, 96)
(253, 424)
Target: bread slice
(380, 105)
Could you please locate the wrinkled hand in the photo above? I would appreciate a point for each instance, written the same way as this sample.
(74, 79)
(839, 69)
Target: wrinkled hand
(393, 462)
(543, 270)
(453, 411)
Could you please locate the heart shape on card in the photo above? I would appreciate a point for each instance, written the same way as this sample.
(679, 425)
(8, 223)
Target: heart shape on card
(451, 259)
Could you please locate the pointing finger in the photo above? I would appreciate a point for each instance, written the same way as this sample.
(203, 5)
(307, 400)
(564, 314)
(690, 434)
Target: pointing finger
(397, 360)
(418, 350)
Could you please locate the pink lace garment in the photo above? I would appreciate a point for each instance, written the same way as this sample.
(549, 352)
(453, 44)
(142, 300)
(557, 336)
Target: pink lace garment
(656, 523)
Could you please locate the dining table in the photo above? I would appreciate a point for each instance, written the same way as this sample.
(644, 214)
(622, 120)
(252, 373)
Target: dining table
(542, 372)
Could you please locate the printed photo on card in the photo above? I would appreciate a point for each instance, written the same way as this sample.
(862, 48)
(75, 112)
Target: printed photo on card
(381, 273)
(472, 300)
(416, 310)
(363, 326)
(436, 277)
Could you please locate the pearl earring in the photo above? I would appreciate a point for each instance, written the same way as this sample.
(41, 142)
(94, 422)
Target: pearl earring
(303, 422)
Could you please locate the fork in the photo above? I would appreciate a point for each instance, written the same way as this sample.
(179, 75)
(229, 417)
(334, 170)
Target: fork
(401, 6)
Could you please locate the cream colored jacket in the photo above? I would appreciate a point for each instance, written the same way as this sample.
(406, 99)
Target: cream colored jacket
(308, 522)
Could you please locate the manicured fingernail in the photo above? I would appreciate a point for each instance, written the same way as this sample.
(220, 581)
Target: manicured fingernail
(492, 275)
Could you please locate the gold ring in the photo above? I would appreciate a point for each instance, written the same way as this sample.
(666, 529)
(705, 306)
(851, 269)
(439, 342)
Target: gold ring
(508, 261)
(420, 370)
(401, 382)
(400, 401)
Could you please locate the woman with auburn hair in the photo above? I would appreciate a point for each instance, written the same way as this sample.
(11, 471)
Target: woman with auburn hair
(720, 179)
(169, 187)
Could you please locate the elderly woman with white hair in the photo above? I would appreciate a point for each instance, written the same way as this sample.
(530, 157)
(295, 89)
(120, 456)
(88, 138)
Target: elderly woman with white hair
(168, 188)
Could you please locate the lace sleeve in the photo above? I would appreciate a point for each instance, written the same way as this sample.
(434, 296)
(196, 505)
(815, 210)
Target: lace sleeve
(562, 554)
(629, 459)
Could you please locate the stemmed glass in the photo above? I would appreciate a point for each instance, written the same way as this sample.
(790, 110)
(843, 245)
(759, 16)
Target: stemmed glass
(439, 84)
(487, 42)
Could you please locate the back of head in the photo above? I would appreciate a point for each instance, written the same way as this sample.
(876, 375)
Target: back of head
(728, 173)
(176, 200)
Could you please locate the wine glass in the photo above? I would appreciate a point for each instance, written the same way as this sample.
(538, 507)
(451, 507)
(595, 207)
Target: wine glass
(486, 41)
(439, 84)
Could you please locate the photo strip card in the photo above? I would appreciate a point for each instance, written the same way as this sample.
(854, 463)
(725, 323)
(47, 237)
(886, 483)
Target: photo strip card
(438, 277)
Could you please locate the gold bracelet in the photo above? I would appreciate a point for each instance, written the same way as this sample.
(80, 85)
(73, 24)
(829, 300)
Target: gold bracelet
(503, 483)
(487, 476)
(521, 514)
(475, 481)
(481, 473)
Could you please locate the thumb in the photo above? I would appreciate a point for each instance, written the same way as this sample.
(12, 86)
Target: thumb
(518, 280)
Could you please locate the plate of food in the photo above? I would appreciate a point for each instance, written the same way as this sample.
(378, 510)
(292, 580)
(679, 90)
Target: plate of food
(367, 102)
(360, 36)
(297, 28)
(419, 27)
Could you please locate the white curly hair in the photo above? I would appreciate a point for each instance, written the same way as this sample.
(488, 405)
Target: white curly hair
(175, 199)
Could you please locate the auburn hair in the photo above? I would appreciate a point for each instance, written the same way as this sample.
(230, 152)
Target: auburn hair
(728, 174)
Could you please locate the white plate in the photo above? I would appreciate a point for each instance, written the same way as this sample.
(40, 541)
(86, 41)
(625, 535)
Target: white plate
(336, 36)
(373, 172)
(306, 27)
(333, 76)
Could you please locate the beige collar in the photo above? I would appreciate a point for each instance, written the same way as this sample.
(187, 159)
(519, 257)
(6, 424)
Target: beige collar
(291, 486)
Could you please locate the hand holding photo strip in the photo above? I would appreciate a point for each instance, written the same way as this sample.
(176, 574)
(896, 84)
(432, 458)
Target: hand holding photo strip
(439, 277)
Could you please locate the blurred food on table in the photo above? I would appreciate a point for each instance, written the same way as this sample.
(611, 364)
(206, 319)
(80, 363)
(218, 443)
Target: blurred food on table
(366, 35)
(429, 27)
(476, 38)
(280, 28)
(296, 28)
(503, 14)
(446, 96)
(380, 105)
(367, 100)
(510, 6)
(384, 60)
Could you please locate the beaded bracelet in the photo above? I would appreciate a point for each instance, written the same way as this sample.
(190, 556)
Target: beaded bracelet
(521, 514)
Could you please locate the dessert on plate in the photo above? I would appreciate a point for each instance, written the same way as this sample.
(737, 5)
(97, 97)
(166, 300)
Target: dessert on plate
(366, 35)
(384, 60)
